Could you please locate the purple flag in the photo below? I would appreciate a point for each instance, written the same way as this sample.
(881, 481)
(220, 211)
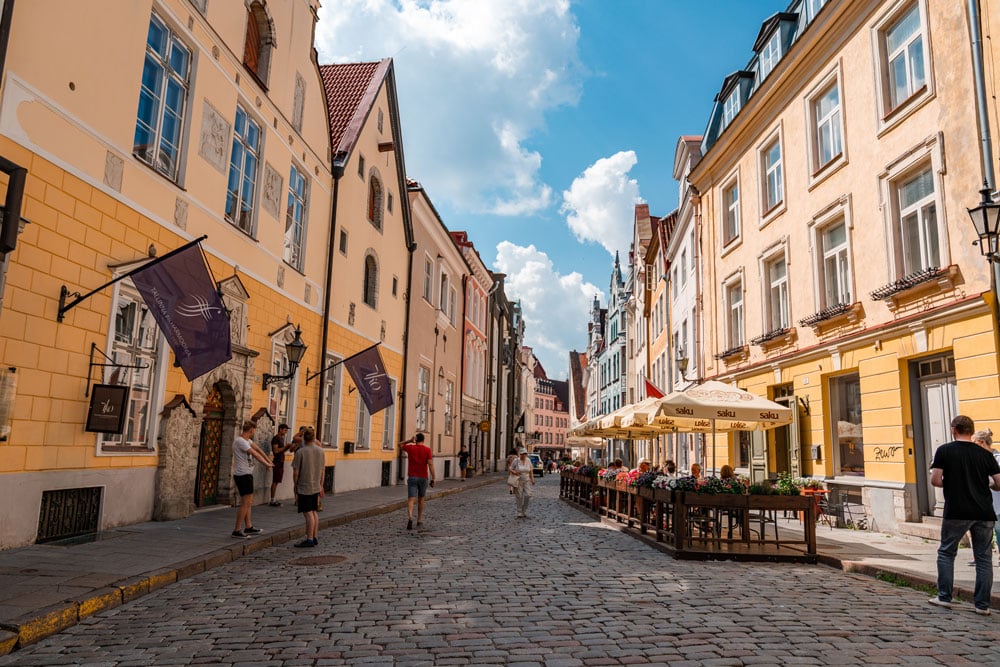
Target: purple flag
(368, 372)
(182, 298)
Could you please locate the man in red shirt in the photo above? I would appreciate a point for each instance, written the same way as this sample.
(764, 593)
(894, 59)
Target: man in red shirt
(419, 467)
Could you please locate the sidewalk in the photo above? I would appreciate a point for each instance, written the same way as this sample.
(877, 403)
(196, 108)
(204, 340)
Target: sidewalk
(47, 588)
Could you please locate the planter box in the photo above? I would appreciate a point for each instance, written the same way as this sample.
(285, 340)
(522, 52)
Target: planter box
(721, 500)
(647, 493)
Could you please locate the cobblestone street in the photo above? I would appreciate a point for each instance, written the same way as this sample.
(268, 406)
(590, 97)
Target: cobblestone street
(478, 586)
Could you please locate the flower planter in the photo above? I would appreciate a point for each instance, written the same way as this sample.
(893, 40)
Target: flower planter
(647, 493)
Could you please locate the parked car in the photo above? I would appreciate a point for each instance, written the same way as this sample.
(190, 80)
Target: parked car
(536, 465)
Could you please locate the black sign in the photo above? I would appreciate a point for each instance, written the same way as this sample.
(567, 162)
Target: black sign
(108, 403)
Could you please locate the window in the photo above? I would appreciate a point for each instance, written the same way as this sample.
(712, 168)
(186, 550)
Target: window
(343, 242)
(918, 226)
(389, 421)
(362, 428)
(295, 218)
(812, 8)
(375, 200)
(331, 401)
(777, 294)
(770, 54)
(388, 202)
(773, 185)
(836, 271)
(734, 302)
(423, 397)
(683, 267)
(162, 100)
(452, 304)
(258, 44)
(380, 120)
(395, 286)
(443, 293)
(826, 115)
(240, 191)
(371, 281)
(904, 46)
(278, 402)
(361, 166)
(845, 399)
(449, 409)
(731, 107)
(731, 200)
(135, 339)
(428, 279)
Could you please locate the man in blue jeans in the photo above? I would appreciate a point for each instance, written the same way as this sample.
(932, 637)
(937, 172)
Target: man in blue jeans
(966, 472)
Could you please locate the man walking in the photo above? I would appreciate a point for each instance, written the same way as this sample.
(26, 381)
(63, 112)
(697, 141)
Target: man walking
(278, 449)
(245, 450)
(419, 467)
(307, 473)
(966, 472)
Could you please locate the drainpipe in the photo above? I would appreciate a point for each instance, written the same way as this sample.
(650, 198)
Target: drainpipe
(975, 30)
(5, 20)
(406, 355)
(338, 171)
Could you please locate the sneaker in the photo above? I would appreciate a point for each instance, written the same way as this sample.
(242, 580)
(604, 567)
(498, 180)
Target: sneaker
(305, 543)
(239, 535)
(252, 531)
(420, 524)
(274, 503)
(983, 612)
(315, 542)
(938, 602)
(409, 524)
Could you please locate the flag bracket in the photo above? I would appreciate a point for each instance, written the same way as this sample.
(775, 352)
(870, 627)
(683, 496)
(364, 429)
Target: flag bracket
(93, 364)
(64, 292)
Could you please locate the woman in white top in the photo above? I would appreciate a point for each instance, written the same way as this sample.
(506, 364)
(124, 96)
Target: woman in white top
(521, 466)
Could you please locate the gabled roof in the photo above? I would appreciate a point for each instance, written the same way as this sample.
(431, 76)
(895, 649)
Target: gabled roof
(350, 89)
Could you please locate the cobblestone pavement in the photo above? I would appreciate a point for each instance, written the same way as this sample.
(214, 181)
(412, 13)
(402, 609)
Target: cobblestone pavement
(478, 586)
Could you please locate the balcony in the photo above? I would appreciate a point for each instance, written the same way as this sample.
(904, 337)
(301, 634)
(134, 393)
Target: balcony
(839, 314)
(916, 285)
(734, 354)
(775, 338)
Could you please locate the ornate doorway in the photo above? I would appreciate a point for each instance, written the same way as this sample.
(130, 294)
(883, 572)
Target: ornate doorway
(209, 449)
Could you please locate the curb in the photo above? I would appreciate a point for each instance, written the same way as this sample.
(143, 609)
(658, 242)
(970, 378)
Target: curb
(32, 627)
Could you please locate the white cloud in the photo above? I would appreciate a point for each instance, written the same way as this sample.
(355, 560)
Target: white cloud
(553, 305)
(475, 78)
(600, 204)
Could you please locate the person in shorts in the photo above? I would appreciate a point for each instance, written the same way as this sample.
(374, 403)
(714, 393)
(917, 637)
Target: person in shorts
(245, 450)
(463, 462)
(419, 467)
(278, 449)
(307, 472)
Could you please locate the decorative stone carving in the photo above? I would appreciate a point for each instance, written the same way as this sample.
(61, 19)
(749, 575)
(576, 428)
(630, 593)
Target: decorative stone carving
(281, 277)
(235, 296)
(381, 335)
(114, 167)
(308, 294)
(180, 213)
(178, 461)
(271, 193)
(350, 315)
(298, 102)
(214, 137)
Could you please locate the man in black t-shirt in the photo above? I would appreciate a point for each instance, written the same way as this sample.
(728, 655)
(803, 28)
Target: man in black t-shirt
(966, 472)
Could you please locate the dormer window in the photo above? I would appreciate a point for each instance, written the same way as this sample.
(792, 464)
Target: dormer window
(769, 55)
(731, 107)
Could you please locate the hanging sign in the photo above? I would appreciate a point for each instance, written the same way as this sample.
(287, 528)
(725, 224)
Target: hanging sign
(108, 403)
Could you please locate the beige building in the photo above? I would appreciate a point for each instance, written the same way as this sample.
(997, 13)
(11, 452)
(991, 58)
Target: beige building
(371, 248)
(434, 359)
(185, 119)
(840, 276)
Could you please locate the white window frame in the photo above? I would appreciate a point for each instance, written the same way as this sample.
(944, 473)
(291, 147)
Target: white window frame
(777, 300)
(332, 402)
(731, 107)
(928, 154)
(769, 56)
(249, 225)
(157, 160)
(428, 292)
(423, 397)
(362, 427)
(890, 114)
(769, 173)
(735, 312)
(295, 218)
(831, 124)
(154, 356)
(452, 304)
(449, 407)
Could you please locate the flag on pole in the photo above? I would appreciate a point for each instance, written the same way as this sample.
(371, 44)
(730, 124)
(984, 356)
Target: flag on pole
(368, 372)
(652, 391)
(184, 302)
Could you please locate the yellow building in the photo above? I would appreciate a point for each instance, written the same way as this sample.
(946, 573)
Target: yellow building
(839, 270)
(370, 252)
(186, 118)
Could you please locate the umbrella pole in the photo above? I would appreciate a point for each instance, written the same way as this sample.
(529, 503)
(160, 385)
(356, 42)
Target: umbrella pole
(714, 444)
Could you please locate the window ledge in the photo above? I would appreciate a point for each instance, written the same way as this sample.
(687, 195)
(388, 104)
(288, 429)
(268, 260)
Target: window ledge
(833, 316)
(734, 354)
(125, 449)
(772, 213)
(916, 285)
(775, 338)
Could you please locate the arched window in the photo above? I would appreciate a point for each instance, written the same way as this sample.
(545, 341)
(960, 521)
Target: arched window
(259, 42)
(371, 281)
(375, 197)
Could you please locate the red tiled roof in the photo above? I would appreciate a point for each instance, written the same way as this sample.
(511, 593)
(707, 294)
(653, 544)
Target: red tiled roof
(350, 92)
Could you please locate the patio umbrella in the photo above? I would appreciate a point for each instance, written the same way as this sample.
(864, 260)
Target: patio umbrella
(714, 406)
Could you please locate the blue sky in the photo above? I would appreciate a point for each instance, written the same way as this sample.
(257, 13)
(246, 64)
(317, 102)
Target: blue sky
(536, 125)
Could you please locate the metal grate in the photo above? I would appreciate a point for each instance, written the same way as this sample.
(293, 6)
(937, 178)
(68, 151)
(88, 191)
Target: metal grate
(906, 283)
(825, 314)
(68, 513)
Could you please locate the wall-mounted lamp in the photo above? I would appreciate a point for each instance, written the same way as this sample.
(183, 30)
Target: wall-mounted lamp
(682, 363)
(440, 380)
(295, 349)
(804, 402)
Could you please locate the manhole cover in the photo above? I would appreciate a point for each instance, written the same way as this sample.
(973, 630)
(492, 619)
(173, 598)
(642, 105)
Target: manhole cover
(319, 560)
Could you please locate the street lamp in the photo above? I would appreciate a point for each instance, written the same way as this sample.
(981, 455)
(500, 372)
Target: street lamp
(682, 363)
(295, 349)
(986, 220)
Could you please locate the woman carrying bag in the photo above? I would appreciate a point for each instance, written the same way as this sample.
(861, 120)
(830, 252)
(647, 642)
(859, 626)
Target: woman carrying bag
(522, 478)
